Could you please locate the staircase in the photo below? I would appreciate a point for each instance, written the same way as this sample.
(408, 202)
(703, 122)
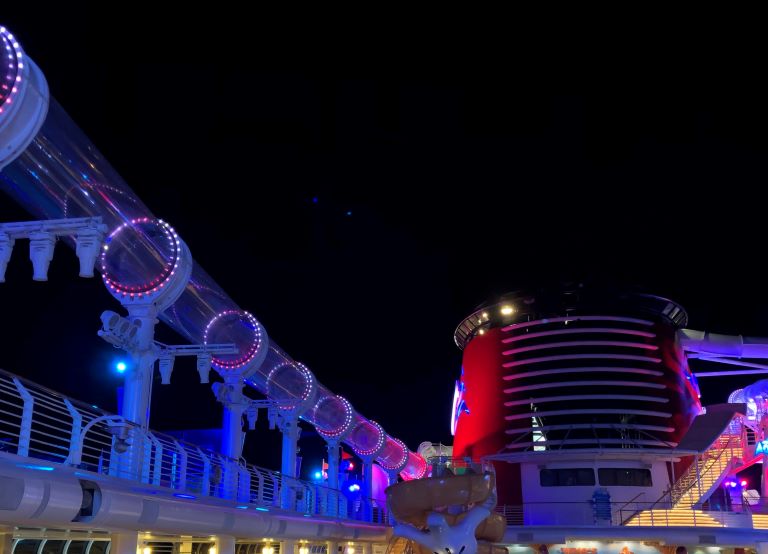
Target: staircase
(676, 517)
(693, 488)
(399, 545)
(711, 468)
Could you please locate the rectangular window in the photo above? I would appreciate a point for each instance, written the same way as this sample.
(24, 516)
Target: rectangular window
(624, 477)
(567, 477)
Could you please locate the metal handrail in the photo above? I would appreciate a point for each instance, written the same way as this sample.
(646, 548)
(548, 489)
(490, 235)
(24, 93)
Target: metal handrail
(709, 462)
(581, 513)
(41, 424)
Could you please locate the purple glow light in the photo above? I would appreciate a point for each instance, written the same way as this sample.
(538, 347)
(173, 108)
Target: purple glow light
(253, 342)
(142, 229)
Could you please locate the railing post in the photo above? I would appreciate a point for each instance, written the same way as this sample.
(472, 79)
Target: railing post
(75, 444)
(243, 485)
(698, 478)
(25, 430)
(205, 486)
(146, 458)
(182, 465)
(157, 468)
(260, 494)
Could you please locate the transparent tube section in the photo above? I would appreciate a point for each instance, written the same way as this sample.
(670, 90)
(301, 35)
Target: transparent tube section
(62, 175)
(394, 455)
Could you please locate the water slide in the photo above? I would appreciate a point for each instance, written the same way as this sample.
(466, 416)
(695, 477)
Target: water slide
(52, 169)
(452, 512)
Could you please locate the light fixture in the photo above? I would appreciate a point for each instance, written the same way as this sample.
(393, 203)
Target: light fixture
(481, 331)
(212, 550)
(204, 367)
(166, 367)
(303, 549)
(88, 244)
(121, 367)
(146, 550)
(41, 246)
(117, 330)
(350, 549)
(6, 248)
(267, 550)
(506, 309)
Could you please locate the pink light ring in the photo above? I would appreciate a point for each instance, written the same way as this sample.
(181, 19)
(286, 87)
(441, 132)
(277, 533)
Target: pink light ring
(23, 102)
(418, 471)
(248, 362)
(400, 465)
(162, 290)
(158, 281)
(310, 391)
(14, 80)
(307, 394)
(380, 439)
(349, 412)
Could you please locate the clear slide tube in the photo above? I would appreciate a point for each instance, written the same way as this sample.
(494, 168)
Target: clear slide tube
(61, 174)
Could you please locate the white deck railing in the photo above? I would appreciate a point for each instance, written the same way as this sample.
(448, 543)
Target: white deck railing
(39, 423)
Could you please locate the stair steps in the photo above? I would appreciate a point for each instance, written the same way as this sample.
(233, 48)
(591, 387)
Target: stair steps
(693, 488)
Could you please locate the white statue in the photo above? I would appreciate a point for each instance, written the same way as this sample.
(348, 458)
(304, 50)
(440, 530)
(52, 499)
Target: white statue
(442, 538)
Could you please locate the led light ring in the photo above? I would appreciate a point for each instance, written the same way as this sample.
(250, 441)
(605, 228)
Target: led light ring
(92, 186)
(24, 99)
(146, 289)
(423, 467)
(380, 440)
(400, 466)
(349, 413)
(309, 385)
(11, 82)
(250, 356)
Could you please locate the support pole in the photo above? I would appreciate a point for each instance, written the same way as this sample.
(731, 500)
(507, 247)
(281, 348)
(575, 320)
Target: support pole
(225, 544)
(334, 452)
(287, 546)
(392, 478)
(6, 542)
(126, 542)
(137, 390)
(333, 475)
(367, 488)
(232, 427)
(289, 427)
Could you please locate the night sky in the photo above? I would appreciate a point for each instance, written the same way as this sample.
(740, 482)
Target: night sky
(360, 206)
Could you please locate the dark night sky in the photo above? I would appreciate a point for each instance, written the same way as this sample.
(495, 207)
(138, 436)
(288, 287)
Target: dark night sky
(464, 179)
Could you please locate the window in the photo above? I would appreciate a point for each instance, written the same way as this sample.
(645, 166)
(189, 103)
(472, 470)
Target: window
(99, 547)
(567, 477)
(26, 546)
(53, 547)
(77, 547)
(624, 477)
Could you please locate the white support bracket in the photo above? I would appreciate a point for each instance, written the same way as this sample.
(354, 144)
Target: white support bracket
(25, 430)
(75, 444)
(88, 232)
